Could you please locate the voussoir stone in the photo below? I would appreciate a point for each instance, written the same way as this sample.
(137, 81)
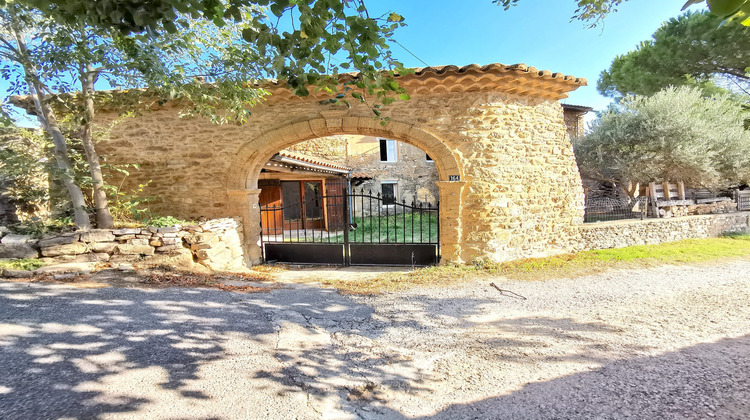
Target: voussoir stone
(97, 235)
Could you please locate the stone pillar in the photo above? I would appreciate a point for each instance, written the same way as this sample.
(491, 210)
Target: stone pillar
(451, 230)
(245, 203)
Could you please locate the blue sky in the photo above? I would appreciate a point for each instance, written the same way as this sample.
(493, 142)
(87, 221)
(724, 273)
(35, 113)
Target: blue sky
(538, 33)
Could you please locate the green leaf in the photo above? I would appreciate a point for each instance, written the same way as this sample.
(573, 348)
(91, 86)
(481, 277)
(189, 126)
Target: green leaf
(395, 17)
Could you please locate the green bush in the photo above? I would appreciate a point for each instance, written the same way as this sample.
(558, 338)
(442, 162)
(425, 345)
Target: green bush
(166, 221)
(29, 264)
(37, 227)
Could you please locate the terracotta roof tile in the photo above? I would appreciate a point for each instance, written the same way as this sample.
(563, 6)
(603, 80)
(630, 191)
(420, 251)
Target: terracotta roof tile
(314, 161)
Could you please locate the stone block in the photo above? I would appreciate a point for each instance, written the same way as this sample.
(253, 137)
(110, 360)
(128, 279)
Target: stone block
(97, 235)
(16, 274)
(202, 254)
(170, 248)
(69, 249)
(57, 240)
(170, 229)
(137, 241)
(120, 232)
(107, 247)
(125, 238)
(156, 242)
(171, 241)
(120, 258)
(72, 267)
(13, 239)
(131, 249)
(180, 258)
(88, 257)
(22, 250)
(196, 247)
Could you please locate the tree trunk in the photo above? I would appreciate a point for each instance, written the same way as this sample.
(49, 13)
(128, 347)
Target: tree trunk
(47, 120)
(103, 216)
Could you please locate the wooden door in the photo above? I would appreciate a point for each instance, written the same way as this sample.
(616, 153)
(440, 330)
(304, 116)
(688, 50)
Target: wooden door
(335, 195)
(272, 221)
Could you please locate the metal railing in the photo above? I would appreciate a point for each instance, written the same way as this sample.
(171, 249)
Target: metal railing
(608, 209)
(742, 198)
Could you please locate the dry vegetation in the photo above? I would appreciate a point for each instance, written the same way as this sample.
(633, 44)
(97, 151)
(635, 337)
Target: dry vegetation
(568, 265)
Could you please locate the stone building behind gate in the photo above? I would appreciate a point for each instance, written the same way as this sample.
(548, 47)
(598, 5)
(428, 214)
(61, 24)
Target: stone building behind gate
(380, 166)
(508, 182)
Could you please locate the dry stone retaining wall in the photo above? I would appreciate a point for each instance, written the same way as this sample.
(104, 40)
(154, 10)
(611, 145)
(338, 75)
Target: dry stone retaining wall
(215, 244)
(620, 234)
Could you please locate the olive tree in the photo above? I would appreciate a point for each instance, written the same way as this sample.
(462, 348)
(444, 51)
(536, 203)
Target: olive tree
(675, 134)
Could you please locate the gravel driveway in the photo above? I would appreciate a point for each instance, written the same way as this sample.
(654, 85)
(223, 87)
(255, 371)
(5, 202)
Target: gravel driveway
(667, 343)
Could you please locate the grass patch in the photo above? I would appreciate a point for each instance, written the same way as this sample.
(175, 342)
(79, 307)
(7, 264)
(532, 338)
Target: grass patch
(419, 228)
(568, 265)
(28, 264)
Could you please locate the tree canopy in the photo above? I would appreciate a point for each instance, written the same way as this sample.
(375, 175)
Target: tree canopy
(595, 10)
(689, 49)
(676, 134)
(302, 42)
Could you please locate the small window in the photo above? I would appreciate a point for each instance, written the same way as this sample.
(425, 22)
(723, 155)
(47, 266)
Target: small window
(390, 192)
(387, 150)
(428, 158)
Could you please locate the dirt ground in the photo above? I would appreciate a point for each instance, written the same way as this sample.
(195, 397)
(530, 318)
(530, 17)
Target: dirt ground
(668, 342)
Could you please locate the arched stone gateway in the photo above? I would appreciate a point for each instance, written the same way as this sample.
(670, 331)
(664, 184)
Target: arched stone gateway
(509, 185)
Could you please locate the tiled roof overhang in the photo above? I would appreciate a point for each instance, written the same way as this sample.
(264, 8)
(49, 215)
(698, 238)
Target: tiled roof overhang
(577, 108)
(312, 161)
(518, 79)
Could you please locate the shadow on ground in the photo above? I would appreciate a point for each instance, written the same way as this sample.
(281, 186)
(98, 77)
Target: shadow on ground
(60, 347)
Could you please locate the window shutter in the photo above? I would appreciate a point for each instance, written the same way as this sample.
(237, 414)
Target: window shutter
(383, 150)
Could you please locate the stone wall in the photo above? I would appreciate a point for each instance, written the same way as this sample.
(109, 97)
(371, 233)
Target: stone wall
(518, 195)
(331, 148)
(624, 233)
(215, 244)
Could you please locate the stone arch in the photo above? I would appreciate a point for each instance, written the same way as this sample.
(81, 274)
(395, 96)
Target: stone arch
(242, 181)
(255, 153)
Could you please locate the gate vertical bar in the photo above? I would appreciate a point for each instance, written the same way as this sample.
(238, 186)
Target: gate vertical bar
(369, 216)
(347, 257)
(403, 211)
(262, 250)
(380, 207)
(437, 213)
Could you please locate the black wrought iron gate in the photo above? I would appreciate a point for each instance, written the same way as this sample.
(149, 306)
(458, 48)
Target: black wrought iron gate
(358, 228)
